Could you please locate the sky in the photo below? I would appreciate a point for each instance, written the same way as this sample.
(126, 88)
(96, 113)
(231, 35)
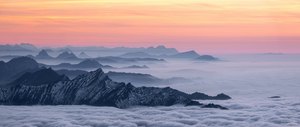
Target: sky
(209, 26)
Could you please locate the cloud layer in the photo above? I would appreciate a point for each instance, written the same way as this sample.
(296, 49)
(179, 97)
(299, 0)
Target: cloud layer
(264, 113)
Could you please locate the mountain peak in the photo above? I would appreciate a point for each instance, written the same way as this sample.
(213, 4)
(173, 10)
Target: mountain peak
(43, 54)
(22, 61)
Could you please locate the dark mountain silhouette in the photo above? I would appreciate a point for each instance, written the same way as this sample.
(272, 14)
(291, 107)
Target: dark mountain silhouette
(93, 88)
(186, 55)
(67, 56)
(43, 54)
(202, 96)
(88, 63)
(40, 77)
(207, 58)
(16, 67)
(113, 59)
(71, 73)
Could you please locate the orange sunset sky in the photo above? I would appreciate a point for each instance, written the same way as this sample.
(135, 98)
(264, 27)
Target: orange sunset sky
(210, 26)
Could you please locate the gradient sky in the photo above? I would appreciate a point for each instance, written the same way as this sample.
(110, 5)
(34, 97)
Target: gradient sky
(209, 26)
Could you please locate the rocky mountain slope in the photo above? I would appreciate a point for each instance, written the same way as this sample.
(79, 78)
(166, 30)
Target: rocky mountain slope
(93, 88)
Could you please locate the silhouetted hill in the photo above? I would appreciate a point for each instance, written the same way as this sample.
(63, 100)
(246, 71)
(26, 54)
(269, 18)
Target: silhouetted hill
(207, 58)
(202, 96)
(71, 73)
(85, 64)
(186, 55)
(16, 67)
(43, 54)
(67, 56)
(40, 77)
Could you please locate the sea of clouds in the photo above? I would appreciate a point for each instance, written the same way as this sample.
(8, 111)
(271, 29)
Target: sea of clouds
(282, 112)
(250, 83)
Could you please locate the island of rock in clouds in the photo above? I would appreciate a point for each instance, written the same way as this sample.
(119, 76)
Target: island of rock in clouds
(46, 87)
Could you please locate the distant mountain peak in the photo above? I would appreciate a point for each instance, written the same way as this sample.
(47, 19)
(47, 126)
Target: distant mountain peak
(188, 54)
(67, 55)
(83, 55)
(22, 60)
(89, 63)
(207, 58)
(43, 54)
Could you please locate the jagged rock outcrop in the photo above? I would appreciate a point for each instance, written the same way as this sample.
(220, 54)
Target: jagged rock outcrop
(93, 88)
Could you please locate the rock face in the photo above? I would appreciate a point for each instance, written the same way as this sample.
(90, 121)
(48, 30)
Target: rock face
(93, 88)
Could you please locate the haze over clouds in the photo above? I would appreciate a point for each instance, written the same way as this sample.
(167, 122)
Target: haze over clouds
(211, 26)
